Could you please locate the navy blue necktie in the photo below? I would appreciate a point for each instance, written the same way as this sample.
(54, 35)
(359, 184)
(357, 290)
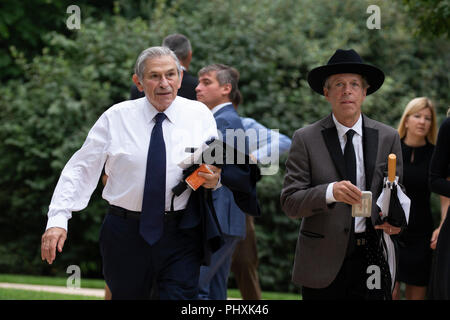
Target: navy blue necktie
(154, 202)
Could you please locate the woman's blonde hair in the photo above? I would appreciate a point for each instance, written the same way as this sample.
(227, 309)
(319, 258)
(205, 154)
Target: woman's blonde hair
(414, 106)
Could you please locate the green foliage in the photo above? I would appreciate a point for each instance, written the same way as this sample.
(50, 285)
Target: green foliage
(433, 17)
(45, 119)
(23, 25)
(47, 113)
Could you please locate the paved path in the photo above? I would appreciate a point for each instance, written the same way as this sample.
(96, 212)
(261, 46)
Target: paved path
(60, 289)
(57, 289)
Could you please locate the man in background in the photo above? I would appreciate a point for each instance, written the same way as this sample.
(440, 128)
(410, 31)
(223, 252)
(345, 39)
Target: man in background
(244, 263)
(217, 88)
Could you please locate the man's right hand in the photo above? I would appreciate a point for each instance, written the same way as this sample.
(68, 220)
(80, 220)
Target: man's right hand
(345, 191)
(52, 238)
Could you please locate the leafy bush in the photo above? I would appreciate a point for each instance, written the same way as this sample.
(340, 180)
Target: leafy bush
(44, 121)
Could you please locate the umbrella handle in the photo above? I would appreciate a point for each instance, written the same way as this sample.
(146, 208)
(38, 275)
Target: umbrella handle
(392, 162)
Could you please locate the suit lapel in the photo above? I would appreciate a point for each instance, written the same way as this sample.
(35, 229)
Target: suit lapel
(331, 139)
(370, 149)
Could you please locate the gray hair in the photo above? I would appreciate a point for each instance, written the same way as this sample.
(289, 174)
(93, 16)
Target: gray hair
(152, 53)
(225, 74)
(365, 84)
(179, 44)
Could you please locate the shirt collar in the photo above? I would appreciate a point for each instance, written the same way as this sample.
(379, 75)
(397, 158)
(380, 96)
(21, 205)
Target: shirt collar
(171, 112)
(342, 130)
(220, 106)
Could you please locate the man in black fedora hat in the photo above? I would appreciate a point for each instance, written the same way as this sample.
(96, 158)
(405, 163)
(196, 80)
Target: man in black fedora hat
(330, 163)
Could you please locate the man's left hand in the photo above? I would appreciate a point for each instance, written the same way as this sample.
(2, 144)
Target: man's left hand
(211, 178)
(388, 228)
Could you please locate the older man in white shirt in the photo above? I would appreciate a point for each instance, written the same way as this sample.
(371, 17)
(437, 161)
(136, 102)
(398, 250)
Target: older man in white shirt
(146, 244)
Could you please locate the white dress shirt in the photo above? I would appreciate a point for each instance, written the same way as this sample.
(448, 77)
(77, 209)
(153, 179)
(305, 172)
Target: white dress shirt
(360, 225)
(119, 140)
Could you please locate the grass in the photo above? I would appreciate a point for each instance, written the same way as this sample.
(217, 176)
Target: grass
(91, 283)
(267, 295)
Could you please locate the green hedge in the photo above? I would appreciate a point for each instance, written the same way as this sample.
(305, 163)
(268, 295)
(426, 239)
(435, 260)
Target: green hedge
(46, 115)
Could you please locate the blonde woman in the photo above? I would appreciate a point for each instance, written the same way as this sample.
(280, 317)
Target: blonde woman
(417, 130)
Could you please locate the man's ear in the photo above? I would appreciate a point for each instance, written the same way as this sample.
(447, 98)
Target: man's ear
(325, 93)
(365, 91)
(226, 89)
(181, 78)
(137, 82)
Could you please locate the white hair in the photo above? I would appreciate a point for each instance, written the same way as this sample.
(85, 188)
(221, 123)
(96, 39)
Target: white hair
(151, 53)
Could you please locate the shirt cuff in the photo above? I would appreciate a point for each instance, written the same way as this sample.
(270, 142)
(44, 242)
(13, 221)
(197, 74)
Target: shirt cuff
(218, 185)
(329, 195)
(57, 220)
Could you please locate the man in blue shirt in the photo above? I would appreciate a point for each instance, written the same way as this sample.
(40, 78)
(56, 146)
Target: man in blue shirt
(244, 263)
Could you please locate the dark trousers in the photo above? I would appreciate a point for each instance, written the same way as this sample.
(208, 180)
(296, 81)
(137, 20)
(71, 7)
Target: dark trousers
(350, 282)
(439, 288)
(244, 263)
(168, 270)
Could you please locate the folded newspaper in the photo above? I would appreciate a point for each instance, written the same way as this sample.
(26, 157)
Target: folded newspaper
(216, 152)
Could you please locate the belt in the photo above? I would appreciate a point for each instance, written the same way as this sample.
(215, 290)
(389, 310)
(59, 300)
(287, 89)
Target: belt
(136, 215)
(360, 239)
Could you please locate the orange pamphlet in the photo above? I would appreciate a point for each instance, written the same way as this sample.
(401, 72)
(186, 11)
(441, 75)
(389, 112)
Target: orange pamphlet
(194, 180)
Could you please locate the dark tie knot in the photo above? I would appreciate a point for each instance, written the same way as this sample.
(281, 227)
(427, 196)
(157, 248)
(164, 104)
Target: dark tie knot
(350, 134)
(159, 118)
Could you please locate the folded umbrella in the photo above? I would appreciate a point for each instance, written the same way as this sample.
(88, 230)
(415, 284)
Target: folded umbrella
(394, 205)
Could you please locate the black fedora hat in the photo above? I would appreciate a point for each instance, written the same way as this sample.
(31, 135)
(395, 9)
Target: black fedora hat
(346, 61)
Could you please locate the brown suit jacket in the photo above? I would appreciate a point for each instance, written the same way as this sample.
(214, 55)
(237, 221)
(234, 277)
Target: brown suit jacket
(315, 160)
